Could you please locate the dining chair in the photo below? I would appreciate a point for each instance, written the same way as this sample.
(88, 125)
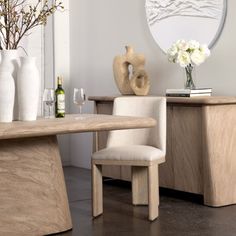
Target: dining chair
(142, 149)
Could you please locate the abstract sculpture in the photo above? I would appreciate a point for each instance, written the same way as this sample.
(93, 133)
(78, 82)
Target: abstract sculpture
(129, 73)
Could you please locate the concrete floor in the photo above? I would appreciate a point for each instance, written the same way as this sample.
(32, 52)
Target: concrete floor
(179, 214)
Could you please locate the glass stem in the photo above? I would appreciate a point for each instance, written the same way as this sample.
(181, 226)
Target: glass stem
(80, 109)
(49, 115)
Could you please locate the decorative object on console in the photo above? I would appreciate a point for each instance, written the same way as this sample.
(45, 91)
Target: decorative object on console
(7, 92)
(188, 92)
(188, 54)
(140, 83)
(191, 19)
(136, 83)
(28, 89)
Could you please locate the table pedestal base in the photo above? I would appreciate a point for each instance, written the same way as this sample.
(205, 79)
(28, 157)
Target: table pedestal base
(33, 198)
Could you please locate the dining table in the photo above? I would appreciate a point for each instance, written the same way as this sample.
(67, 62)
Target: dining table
(33, 197)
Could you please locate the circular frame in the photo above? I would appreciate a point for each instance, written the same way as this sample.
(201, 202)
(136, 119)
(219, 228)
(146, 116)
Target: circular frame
(211, 38)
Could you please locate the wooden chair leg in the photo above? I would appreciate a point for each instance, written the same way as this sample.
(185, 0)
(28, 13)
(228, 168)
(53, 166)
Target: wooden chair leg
(97, 201)
(139, 185)
(153, 192)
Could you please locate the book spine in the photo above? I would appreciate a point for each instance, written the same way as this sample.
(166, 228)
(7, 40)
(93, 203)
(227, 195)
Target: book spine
(177, 95)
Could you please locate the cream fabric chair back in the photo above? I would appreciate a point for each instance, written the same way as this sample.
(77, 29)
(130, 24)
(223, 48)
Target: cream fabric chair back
(154, 107)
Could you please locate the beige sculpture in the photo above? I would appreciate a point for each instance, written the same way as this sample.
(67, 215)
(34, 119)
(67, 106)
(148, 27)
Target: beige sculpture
(129, 73)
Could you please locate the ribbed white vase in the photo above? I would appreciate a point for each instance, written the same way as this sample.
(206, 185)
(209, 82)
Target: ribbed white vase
(7, 95)
(10, 59)
(28, 89)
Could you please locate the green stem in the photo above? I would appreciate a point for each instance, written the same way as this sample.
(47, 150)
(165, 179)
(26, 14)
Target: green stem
(189, 76)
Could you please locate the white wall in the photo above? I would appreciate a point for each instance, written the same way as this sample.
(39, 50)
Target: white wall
(99, 30)
(57, 61)
(62, 68)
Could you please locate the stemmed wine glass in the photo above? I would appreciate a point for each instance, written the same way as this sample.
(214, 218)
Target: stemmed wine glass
(79, 98)
(49, 99)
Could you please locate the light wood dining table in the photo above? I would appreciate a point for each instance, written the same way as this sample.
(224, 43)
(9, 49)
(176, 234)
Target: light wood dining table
(33, 198)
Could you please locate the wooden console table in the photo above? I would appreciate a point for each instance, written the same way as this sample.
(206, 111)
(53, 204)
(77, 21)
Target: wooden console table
(33, 199)
(201, 147)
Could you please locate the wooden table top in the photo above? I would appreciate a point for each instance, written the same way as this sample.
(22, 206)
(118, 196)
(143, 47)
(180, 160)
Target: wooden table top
(212, 100)
(71, 124)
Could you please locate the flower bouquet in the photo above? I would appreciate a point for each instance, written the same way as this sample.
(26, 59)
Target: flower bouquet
(188, 54)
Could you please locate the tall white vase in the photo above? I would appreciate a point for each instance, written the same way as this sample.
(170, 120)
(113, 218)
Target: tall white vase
(10, 59)
(7, 95)
(28, 89)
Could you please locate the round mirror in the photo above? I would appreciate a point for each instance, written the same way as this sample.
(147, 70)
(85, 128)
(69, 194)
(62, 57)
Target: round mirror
(171, 20)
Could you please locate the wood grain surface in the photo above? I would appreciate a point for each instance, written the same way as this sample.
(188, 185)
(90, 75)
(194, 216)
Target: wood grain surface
(212, 100)
(219, 155)
(153, 192)
(97, 190)
(145, 184)
(201, 147)
(166, 170)
(33, 194)
(33, 199)
(71, 124)
(139, 185)
(186, 149)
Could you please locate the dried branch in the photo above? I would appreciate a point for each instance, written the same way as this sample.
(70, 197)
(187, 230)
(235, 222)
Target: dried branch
(18, 18)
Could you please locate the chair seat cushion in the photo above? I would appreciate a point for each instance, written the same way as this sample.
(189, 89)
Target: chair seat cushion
(130, 153)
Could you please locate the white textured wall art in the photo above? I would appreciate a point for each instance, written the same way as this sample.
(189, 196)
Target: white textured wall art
(158, 10)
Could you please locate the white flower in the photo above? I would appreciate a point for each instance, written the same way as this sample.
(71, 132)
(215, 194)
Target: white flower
(205, 50)
(188, 53)
(173, 50)
(198, 57)
(193, 44)
(171, 59)
(183, 58)
(182, 45)
(172, 53)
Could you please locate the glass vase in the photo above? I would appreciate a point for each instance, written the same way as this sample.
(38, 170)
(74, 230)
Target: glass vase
(189, 80)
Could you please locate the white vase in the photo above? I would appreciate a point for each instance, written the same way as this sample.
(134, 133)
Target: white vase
(7, 95)
(10, 59)
(28, 89)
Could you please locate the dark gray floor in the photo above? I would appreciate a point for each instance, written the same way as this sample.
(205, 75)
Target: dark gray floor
(180, 214)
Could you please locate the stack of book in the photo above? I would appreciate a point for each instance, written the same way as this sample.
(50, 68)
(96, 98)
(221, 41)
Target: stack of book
(188, 92)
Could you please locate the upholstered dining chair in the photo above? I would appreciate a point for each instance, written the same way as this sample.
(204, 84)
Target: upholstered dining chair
(142, 149)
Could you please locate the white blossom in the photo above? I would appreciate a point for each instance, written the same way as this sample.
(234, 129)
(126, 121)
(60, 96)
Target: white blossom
(193, 44)
(182, 45)
(187, 53)
(183, 58)
(198, 57)
(205, 50)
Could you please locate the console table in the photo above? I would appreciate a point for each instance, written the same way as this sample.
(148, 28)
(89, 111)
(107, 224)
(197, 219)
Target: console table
(33, 199)
(201, 147)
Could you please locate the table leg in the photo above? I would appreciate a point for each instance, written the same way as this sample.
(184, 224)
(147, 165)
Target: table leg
(219, 150)
(140, 185)
(33, 198)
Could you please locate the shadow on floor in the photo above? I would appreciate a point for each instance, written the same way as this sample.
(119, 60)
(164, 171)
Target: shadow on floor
(180, 214)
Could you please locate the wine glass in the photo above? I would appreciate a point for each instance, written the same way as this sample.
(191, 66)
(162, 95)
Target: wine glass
(79, 98)
(49, 99)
